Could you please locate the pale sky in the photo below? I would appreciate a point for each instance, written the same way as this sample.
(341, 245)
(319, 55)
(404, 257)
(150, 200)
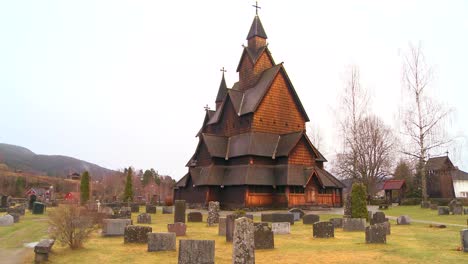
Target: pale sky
(121, 83)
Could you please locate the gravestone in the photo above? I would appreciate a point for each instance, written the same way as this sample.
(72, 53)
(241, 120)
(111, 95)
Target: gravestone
(337, 222)
(16, 217)
(150, 209)
(179, 215)
(425, 204)
(135, 208)
(281, 228)
(454, 203)
(370, 214)
(21, 210)
(136, 234)
(32, 200)
(123, 213)
(263, 236)
(464, 240)
(376, 234)
(243, 251)
(297, 210)
(161, 242)
(222, 226)
(403, 220)
(178, 228)
(42, 250)
(196, 251)
(144, 218)
(297, 216)
(4, 201)
(378, 218)
(433, 206)
(213, 213)
(167, 210)
(387, 227)
(195, 217)
(347, 207)
(323, 230)
(278, 217)
(310, 219)
(38, 208)
(114, 227)
(354, 224)
(6, 220)
(457, 209)
(443, 210)
(107, 210)
(465, 210)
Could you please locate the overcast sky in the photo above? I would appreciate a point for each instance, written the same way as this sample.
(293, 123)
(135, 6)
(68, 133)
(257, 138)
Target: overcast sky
(121, 83)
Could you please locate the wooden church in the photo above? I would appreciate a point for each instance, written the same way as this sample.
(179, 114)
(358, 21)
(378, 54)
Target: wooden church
(253, 150)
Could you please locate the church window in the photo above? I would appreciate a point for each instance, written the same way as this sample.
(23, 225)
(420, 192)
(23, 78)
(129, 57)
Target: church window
(296, 189)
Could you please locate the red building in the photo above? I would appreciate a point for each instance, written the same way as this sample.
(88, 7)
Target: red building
(253, 150)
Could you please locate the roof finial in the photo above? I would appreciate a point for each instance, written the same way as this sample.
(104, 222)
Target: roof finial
(206, 107)
(256, 8)
(223, 70)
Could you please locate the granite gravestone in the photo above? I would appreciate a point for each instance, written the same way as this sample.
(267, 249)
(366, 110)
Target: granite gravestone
(403, 220)
(196, 251)
(144, 218)
(376, 234)
(213, 213)
(222, 226)
(297, 210)
(278, 217)
(135, 208)
(378, 218)
(150, 209)
(310, 219)
(443, 210)
(16, 217)
(337, 222)
(167, 210)
(243, 251)
(38, 208)
(179, 215)
(354, 224)
(136, 234)
(195, 217)
(114, 227)
(281, 228)
(323, 230)
(161, 242)
(178, 228)
(4, 201)
(464, 240)
(230, 224)
(6, 220)
(32, 200)
(263, 236)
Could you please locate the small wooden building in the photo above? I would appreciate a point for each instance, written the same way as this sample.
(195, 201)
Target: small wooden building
(391, 186)
(444, 180)
(253, 149)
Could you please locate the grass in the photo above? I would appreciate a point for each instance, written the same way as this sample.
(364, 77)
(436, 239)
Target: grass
(31, 228)
(416, 243)
(417, 213)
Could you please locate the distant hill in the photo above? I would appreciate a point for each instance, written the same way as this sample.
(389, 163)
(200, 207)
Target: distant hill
(19, 158)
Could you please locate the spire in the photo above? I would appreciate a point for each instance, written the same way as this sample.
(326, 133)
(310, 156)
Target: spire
(256, 30)
(222, 91)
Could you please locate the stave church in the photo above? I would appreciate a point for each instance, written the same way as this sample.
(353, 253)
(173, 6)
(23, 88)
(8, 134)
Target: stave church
(252, 149)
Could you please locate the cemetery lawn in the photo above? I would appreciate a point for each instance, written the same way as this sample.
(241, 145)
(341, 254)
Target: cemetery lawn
(31, 228)
(425, 214)
(416, 243)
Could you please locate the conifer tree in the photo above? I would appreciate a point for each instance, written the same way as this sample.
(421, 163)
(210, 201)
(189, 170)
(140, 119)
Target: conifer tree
(358, 201)
(84, 188)
(128, 192)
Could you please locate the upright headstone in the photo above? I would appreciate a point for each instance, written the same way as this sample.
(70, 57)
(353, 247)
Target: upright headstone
(464, 240)
(378, 218)
(150, 209)
(38, 208)
(179, 215)
(213, 213)
(144, 218)
(161, 242)
(354, 224)
(347, 207)
(21, 210)
(167, 210)
(195, 217)
(337, 222)
(278, 217)
(323, 230)
(443, 210)
(6, 220)
(283, 228)
(457, 209)
(263, 236)
(465, 211)
(310, 219)
(403, 220)
(243, 251)
(297, 210)
(136, 234)
(135, 208)
(16, 217)
(178, 228)
(387, 227)
(222, 226)
(376, 234)
(114, 227)
(32, 200)
(4, 201)
(196, 251)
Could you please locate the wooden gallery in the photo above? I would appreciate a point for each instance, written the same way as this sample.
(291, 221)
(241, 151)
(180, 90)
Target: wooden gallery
(253, 150)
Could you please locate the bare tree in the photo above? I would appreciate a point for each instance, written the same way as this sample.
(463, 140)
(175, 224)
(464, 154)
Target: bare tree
(315, 135)
(423, 118)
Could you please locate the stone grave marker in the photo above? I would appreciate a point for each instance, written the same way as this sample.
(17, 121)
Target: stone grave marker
(107, 210)
(354, 224)
(135, 208)
(161, 242)
(178, 228)
(278, 217)
(347, 207)
(465, 210)
(443, 210)
(281, 228)
(297, 210)
(464, 240)
(6, 220)
(4, 201)
(433, 206)
(263, 236)
(16, 217)
(114, 227)
(213, 213)
(376, 234)
(222, 226)
(403, 220)
(457, 209)
(167, 210)
(144, 218)
(378, 218)
(32, 200)
(150, 209)
(195, 217)
(323, 230)
(387, 227)
(297, 216)
(370, 215)
(136, 234)
(196, 251)
(337, 222)
(179, 215)
(310, 219)
(21, 210)
(243, 251)
(38, 208)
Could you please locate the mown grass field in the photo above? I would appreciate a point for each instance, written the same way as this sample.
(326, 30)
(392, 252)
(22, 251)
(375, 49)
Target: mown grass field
(418, 213)
(417, 243)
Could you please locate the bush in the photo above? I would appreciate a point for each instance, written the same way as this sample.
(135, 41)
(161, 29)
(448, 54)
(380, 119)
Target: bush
(71, 225)
(411, 201)
(377, 201)
(358, 201)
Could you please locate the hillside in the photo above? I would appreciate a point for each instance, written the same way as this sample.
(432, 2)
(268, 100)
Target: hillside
(20, 158)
